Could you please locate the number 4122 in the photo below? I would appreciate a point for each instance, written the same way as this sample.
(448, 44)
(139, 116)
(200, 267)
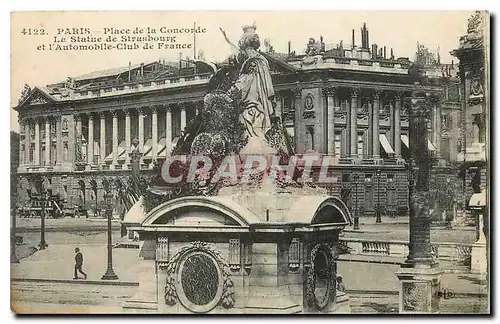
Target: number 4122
(35, 31)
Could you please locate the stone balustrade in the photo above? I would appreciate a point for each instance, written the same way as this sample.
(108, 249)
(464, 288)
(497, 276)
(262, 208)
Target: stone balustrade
(446, 253)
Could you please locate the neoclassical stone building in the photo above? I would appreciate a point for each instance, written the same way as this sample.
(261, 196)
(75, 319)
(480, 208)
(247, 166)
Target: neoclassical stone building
(349, 103)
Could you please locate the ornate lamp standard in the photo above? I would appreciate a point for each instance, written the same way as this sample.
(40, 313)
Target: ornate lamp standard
(355, 209)
(110, 273)
(379, 218)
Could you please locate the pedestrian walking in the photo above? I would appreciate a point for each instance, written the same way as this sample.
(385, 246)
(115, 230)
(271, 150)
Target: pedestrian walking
(79, 264)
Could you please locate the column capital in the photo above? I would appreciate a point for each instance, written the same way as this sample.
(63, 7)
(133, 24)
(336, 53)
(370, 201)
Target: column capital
(114, 113)
(58, 117)
(47, 119)
(78, 117)
(154, 109)
(377, 93)
(102, 114)
(90, 115)
(182, 105)
(330, 91)
(297, 92)
(354, 92)
(168, 109)
(126, 112)
(140, 111)
(398, 95)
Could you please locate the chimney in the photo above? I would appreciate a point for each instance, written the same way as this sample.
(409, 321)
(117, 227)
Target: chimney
(380, 53)
(385, 56)
(392, 54)
(375, 49)
(367, 40)
(373, 52)
(353, 40)
(129, 71)
(142, 70)
(289, 47)
(362, 38)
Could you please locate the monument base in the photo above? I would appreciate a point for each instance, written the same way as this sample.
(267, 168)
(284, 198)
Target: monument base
(418, 292)
(479, 262)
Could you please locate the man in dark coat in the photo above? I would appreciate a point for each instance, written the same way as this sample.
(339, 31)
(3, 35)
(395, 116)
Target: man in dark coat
(78, 264)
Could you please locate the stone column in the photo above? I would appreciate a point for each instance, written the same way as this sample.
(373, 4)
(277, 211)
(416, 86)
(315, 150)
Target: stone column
(78, 120)
(21, 153)
(298, 133)
(419, 274)
(168, 131)
(37, 142)
(330, 98)
(183, 117)
(59, 144)
(154, 133)
(437, 143)
(90, 143)
(47, 141)
(26, 123)
(141, 130)
(397, 124)
(376, 124)
(115, 136)
(103, 137)
(354, 122)
(128, 142)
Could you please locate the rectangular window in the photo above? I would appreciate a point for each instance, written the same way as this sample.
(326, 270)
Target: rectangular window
(32, 152)
(337, 144)
(286, 104)
(22, 154)
(360, 146)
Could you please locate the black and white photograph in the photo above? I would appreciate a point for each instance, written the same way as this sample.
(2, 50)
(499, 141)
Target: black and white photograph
(250, 162)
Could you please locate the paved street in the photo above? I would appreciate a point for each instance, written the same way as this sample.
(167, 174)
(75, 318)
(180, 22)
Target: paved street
(373, 287)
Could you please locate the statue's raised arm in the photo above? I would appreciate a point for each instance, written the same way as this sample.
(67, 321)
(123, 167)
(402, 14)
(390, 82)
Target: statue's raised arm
(228, 41)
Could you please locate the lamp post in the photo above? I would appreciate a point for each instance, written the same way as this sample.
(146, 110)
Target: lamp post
(379, 218)
(13, 255)
(356, 215)
(110, 274)
(43, 199)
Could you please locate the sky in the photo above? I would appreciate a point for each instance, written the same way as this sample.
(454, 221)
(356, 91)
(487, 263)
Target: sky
(400, 30)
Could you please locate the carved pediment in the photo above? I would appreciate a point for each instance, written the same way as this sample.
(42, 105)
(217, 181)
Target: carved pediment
(33, 97)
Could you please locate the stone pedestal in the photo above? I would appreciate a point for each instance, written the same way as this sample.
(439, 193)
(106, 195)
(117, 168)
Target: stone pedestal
(418, 289)
(479, 262)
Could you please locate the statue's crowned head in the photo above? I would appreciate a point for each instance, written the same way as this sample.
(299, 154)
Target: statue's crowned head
(249, 38)
(249, 28)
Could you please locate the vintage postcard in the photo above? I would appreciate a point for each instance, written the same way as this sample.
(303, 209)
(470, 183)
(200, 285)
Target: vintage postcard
(250, 162)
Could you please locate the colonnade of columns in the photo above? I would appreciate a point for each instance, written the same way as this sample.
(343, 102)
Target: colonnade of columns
(353, 99)
(41, 132)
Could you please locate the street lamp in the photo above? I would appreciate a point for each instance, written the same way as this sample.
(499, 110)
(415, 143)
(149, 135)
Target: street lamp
(43, 199)
(379, 218)
(13, 255)
(355, 209)
(110, 274)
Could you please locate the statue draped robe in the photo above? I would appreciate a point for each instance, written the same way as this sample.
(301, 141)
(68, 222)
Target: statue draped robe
(256, 88)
